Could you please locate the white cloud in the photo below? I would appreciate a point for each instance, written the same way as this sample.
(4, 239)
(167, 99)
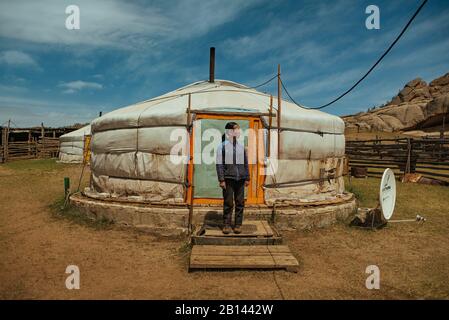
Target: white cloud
(75, 86)
(16, 58)
(115, 23)
(12, 88)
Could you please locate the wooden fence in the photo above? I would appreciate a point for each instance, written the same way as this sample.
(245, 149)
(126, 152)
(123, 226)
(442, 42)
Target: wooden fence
(30, 143)
(426, 156)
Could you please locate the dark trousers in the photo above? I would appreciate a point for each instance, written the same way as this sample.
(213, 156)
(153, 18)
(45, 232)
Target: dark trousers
(234, 193)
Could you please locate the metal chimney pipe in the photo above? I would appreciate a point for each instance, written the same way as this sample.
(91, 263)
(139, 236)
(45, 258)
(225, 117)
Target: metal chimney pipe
(212, 65)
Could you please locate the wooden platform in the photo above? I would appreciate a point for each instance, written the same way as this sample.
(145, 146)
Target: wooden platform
(257, 247)
(249, 229)
(253, 233)
(242, 257)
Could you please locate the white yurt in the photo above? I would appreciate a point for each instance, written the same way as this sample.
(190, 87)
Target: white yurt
(72, 144)
(154, 151)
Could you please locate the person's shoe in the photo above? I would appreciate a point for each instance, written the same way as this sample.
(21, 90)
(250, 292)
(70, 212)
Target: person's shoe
(226, 229)
(237, 229)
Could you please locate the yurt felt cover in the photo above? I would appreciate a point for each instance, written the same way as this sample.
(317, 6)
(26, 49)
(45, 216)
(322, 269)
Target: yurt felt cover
(72, 145)
(131, 146)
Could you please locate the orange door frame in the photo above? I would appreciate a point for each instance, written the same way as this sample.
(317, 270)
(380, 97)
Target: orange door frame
(255, 193)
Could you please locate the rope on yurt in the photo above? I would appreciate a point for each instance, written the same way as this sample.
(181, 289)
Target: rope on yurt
(371, 69)
(300, 182)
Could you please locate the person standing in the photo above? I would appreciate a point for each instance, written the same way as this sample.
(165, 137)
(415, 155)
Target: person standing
(233, 176)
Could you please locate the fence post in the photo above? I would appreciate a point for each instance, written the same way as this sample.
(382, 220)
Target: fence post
(43, 139)
(413, 159)
(408, 164)
(6, 142)
(3, 145)
(29, 143)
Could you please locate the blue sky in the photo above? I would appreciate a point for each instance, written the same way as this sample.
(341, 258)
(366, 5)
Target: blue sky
(127, 52)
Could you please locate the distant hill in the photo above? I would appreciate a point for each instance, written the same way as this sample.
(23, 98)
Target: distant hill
(417, 106)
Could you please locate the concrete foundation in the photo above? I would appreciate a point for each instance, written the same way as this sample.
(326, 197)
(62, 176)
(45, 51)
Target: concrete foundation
(173, 220)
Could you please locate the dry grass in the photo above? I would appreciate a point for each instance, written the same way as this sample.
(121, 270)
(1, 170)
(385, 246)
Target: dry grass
(61, 209)
(35, 249)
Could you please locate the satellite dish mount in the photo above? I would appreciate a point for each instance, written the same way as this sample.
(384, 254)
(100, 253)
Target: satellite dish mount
(377, 218)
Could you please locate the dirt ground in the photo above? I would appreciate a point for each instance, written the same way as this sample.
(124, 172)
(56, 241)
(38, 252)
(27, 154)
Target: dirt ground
(36, 247)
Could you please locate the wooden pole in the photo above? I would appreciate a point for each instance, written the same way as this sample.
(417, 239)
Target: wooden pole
(29, 142)
(442, 126)
(6, 150)
(4, 144)
(408, 164)
(42, 137)
(279, 111)
(189, 183)
(442, 136)
(270, 123)
(1, 152)
(189, 113)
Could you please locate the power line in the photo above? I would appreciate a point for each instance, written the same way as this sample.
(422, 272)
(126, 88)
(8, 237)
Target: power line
(264, 83)
(372, 68)
(288, 94)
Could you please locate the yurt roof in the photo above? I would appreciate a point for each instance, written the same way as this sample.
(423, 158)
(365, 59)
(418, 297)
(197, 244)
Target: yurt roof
(76, 134)
(218, 96)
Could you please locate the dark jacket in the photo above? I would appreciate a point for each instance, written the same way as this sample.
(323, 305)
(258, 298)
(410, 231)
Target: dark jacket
(232, 161)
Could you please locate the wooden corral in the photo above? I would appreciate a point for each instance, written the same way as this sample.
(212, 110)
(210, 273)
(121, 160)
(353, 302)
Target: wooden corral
(30, 143)
(428, 157)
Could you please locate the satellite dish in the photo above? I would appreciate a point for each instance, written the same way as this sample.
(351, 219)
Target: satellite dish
(387, 193)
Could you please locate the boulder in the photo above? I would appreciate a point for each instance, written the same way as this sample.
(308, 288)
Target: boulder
(414, 90)
(438, 105)
(416, 103)
(408, 115)
(392, 123)
(441, 81)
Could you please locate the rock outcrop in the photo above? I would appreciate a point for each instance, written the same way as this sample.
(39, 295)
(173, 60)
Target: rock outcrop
(415, 106)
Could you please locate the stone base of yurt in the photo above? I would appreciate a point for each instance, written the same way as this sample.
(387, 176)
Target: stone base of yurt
(172, 220)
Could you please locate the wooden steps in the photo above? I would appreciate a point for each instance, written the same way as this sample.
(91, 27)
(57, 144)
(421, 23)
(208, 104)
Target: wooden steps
(238, 257)
(257, 247)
